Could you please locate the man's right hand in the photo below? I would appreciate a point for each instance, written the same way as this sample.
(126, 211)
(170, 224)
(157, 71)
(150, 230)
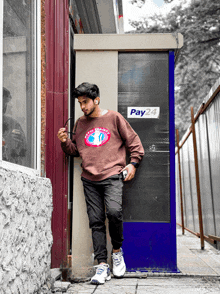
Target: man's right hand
(62, 135)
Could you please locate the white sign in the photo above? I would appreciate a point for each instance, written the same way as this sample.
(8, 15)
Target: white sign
(143, 112)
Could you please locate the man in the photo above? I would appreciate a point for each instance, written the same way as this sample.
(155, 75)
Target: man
(101, 138)
(14, 144)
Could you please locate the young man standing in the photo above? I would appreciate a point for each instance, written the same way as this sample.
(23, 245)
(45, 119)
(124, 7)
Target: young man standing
(101, 138)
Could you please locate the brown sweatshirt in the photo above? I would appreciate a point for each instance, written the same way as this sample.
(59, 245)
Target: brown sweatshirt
(101, 142)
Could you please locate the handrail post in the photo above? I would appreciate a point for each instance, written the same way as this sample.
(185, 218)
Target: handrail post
(180, 180)
(197, 179)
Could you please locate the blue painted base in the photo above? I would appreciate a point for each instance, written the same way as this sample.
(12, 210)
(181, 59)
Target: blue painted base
(150, 247)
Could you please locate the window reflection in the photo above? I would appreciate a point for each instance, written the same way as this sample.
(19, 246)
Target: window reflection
(19, 80)
(14, 144)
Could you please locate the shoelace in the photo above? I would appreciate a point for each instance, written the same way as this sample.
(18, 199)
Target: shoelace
(116, 258)
(100, 269)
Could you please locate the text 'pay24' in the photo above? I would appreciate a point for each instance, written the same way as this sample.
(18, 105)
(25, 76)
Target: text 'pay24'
(143, 112)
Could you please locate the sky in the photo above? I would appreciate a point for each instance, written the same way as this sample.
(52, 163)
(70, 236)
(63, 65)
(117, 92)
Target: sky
(139, 10)
(143, 8)
(159, 3)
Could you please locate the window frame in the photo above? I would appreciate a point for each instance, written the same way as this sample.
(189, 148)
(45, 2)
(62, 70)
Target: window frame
(36, 171)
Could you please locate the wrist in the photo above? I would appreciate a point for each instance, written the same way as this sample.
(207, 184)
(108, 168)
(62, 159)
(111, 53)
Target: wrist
(135, 164)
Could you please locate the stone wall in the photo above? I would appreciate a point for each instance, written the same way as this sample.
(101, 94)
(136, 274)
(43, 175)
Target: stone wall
(25, 232)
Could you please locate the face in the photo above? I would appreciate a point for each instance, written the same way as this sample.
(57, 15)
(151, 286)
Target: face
(87, 105)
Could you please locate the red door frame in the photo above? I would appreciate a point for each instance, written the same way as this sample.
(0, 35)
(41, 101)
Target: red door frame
(57, 69)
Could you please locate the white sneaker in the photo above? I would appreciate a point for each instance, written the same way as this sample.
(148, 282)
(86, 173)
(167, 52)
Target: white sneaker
(102, 274)
(119, 267)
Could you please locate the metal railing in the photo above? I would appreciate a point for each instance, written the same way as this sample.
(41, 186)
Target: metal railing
(198, 172)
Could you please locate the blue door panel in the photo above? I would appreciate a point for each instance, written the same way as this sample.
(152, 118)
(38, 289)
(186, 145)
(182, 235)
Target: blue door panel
(146, 79)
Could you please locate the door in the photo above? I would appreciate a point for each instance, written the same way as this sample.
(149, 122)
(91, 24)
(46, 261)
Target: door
(144, 92)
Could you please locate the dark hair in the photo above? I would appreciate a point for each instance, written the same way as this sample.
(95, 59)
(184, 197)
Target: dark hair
(6, 95)
(86, 89)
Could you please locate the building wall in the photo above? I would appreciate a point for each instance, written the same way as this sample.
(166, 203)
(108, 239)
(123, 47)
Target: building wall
(25, 231)
(26, 202)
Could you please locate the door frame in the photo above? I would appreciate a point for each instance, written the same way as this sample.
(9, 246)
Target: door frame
(56, 164)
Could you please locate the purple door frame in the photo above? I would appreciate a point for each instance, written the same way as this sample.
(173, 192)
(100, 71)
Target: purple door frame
(57, 68)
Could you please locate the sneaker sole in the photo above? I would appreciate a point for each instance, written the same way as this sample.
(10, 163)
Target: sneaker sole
(121, 276)
(96, 282)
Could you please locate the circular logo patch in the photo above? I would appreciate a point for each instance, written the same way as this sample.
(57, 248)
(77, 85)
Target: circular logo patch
(97, 137)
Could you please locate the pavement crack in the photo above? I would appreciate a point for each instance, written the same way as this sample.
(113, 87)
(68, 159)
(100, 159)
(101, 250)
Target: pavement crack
(136, 288)
(95, 289)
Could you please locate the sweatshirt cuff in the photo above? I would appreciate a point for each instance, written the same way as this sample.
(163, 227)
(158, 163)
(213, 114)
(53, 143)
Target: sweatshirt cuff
(63, 144)
(136, 160)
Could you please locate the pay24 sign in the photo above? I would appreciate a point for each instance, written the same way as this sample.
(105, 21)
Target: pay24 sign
(143, 112)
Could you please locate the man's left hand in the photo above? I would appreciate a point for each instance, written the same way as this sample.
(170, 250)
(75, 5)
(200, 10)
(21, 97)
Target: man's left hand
(131, 172)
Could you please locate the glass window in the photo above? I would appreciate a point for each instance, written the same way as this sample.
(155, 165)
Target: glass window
(19, 82)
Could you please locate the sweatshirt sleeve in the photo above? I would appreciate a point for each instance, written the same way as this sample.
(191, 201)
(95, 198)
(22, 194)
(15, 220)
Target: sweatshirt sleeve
(69, 147)
(131, 139)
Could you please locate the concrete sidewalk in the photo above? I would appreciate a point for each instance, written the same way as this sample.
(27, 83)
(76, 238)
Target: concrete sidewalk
(152, 285)
(199, 273)
(191, 260)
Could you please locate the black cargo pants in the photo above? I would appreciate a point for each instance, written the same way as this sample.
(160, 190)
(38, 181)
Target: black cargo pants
(104, 198)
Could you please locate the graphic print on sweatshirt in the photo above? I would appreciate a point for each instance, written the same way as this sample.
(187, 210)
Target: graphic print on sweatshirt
(97, 137)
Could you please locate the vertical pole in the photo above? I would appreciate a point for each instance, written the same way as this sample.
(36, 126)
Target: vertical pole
(210, 174)
(197, 179)
(180, 180)
(56, 164)
(173, 248)
(172, 160)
